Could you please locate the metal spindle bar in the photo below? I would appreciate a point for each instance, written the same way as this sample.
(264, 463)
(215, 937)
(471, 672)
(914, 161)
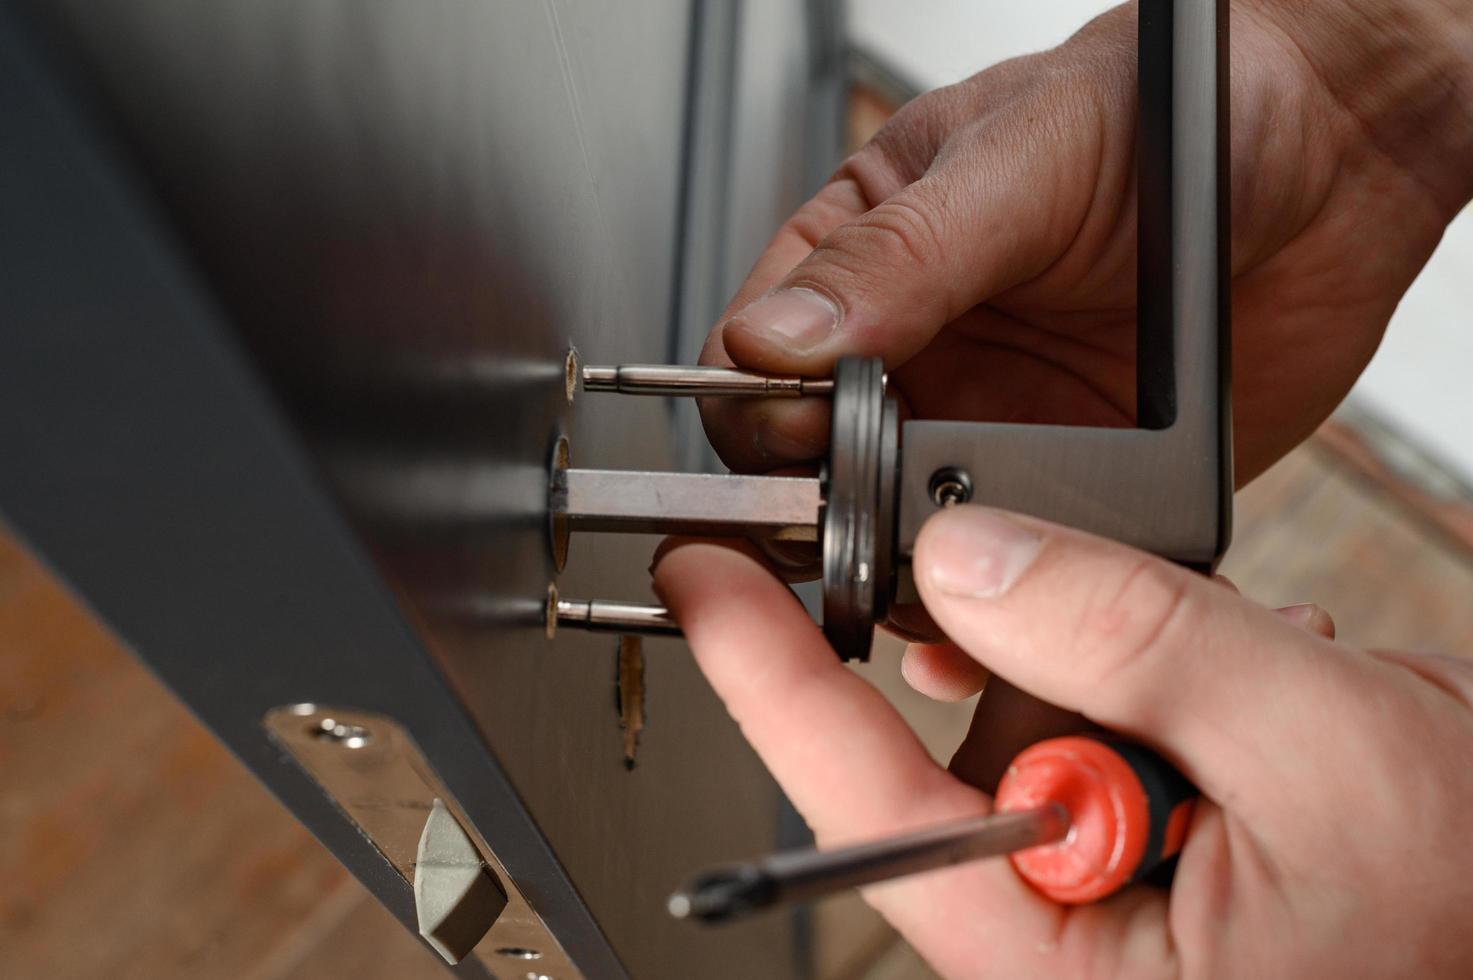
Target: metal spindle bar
(603, 616)
(777, 507)
(693, 381)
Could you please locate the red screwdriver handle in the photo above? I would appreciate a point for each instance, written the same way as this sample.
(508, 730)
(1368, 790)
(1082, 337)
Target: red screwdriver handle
(1128, 815)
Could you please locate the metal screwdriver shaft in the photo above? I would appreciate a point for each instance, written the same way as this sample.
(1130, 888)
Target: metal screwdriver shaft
(797, 876)
(691, 381)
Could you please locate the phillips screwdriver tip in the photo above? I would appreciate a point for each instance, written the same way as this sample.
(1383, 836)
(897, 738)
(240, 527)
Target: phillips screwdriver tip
(723, 894)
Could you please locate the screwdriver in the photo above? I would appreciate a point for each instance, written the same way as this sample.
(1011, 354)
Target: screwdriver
(1080, 817)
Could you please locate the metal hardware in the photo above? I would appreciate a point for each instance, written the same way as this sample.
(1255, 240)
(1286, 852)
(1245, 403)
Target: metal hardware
(1165, 486)
(455, 899)
(605, 616)
(781, 507)
(381, 781)
(859, 511)
(344, 734)
(853, 503)
(692, 381)
(950, 487)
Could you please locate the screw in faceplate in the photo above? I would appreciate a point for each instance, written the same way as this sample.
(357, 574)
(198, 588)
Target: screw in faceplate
(344, 734)
(950, 487)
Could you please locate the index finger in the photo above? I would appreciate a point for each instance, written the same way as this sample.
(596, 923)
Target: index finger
(850, 763)
(856, 771)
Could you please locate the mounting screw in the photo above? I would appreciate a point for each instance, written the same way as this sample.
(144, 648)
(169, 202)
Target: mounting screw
(950, 486)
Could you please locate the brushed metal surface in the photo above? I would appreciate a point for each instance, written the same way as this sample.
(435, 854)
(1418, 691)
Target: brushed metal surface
(399, 216)
(372, 769)
(1165, 487)
(784, 508)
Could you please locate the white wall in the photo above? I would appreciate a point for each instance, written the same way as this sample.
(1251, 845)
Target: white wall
(1419, 382)
(937, 42)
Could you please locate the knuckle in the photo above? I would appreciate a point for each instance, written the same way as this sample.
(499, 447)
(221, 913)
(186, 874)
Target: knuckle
(874, 172)
(919, 112)
(909, 139)
(840, 265)
(910, 231)
(809, 224)
(1147, 613)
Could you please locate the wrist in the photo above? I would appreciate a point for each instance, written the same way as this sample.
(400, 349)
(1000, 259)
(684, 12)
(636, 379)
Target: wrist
(1403, 69)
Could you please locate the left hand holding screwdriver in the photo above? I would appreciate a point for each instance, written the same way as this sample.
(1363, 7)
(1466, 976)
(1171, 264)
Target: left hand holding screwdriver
(1336, 790)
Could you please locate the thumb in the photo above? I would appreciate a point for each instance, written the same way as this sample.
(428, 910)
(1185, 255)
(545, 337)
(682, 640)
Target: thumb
(1136, 644)
(1002, 198)
(884, 283)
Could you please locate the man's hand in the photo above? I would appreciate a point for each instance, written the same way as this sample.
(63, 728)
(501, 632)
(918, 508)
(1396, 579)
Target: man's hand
(984, 242)
(1336, 783)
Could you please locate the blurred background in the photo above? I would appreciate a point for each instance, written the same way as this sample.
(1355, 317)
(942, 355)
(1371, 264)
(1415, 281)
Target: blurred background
(133, 845)
(1417, 386)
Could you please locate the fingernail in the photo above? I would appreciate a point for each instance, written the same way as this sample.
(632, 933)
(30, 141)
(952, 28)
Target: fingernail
(1300, 613)
(980, 554)
(1310, 616)
(795, 319)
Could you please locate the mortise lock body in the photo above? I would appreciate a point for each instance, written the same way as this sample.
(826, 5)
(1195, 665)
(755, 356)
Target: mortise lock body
(1164, 486)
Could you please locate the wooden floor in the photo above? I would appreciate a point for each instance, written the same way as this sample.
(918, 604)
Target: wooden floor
(131, 845)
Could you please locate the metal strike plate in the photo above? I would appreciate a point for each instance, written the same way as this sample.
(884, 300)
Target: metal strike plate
(375, 773)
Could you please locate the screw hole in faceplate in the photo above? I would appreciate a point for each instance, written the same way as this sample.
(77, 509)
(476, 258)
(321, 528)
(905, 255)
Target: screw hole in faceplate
(519, 953)
(348, 736)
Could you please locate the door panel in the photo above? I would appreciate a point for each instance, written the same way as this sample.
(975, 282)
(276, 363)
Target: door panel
(328, 259)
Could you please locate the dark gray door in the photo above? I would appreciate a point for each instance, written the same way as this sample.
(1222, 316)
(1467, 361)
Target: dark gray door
(289, 291)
